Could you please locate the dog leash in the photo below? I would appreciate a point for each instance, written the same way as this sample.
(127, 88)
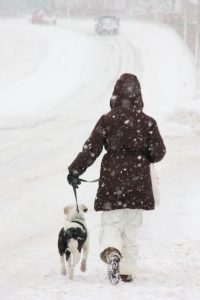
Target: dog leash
(75, 192)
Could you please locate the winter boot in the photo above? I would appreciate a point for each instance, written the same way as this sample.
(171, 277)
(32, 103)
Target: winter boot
(126, 278)
(113, 259)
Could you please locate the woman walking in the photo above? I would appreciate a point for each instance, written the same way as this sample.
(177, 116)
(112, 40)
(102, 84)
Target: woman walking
(132, 142)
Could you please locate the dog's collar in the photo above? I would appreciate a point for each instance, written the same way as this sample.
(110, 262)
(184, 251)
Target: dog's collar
(75, 221)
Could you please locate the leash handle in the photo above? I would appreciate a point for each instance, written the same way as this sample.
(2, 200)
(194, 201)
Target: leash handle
(83, 180)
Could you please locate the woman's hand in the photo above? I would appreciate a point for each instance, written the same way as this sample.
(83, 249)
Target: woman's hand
(73, 180)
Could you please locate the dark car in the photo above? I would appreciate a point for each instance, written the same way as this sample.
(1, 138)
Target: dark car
(107, 25)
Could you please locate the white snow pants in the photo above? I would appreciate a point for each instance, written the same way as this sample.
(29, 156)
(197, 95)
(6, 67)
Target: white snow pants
(119, 230)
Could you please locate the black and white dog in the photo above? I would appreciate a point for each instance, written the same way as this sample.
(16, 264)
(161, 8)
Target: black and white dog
(72, 239)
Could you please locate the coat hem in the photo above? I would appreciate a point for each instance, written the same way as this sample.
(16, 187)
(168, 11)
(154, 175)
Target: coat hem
(115, 208)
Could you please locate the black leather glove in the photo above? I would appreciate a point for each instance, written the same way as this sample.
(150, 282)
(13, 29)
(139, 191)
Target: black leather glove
(73, 180)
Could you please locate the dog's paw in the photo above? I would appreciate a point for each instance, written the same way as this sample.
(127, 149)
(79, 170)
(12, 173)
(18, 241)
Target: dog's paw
(63, 272)
(83, 266)
(71, 274)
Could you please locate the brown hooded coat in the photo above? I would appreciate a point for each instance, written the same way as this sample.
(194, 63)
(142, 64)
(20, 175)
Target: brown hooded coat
(132, 141)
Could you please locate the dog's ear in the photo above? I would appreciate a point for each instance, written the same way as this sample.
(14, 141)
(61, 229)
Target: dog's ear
(66, 209)
(83, 208)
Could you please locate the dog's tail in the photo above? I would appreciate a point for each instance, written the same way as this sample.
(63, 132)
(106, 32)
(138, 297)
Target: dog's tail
(73, 248)
(73, 245)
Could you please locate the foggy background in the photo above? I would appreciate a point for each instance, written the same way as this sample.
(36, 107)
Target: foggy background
(182, 15)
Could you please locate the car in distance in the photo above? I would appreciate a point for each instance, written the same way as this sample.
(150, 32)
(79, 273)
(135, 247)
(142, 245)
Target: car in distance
(107, 25)
(40, 17)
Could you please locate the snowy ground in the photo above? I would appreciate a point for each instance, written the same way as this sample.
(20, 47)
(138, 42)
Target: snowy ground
(55, 82)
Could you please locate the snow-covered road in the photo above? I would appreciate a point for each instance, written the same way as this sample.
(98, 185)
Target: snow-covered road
(55, 82)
